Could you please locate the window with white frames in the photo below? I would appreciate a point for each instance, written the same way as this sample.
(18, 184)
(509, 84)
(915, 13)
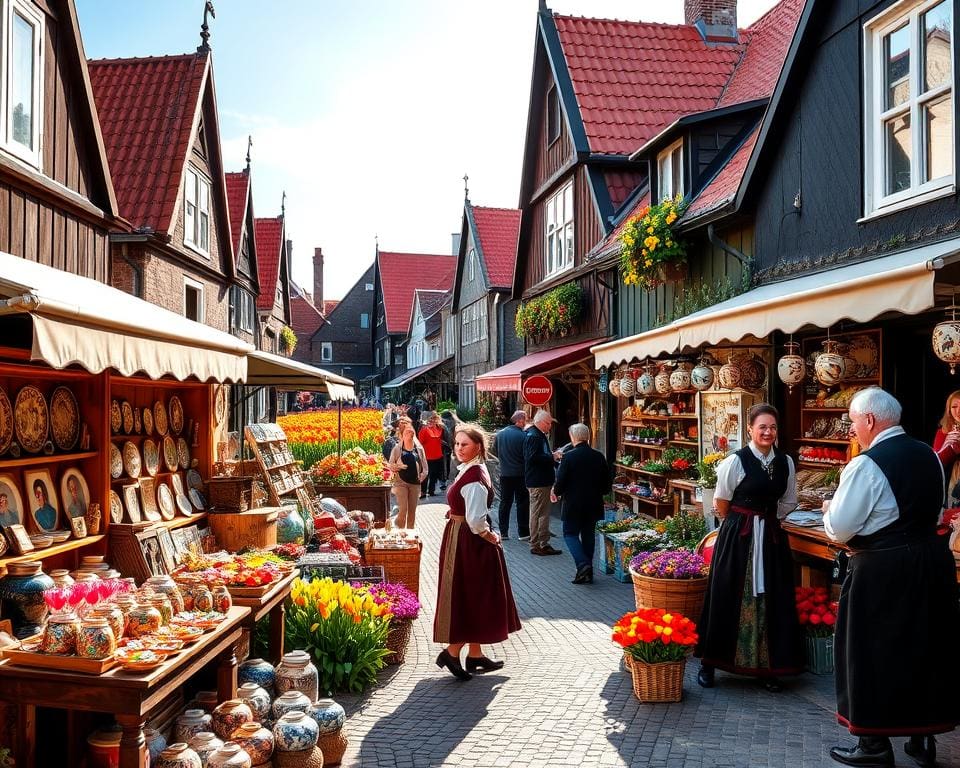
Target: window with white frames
(471, 265)
(473, 322)
(326, 351)
(364, 320)
(196, 213)
(670, 172)
(21, 62)
(909, 134)
(368, 287)
(192, 299)
(558, 238)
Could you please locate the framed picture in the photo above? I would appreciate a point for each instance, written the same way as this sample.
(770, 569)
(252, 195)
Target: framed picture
(11, 503)
(79, 527)
(208, 542)
(74, 492)
(171, 558)
(131, 503)
(179, 543)
(148, 499)
(44, 506)
(191, 534)
(20, 539)
(152, 554)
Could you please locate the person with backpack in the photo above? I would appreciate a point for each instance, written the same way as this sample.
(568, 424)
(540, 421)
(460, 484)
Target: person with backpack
(409, 465)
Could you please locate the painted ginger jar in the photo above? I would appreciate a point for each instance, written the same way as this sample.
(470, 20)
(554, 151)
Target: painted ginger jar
(259, 671)
(256, 741)
(95, 639)
(290, 701)
(190, 723)
(178, 755)
(290, 528)
(114, 617)
(143, 619)
(162, 603)
(229, 716)
(156, 743)
(257, 699)
(295, 731)
(61, 633)
(202, 598)
(330, 716)
(167, 586)
(296, 672)
(205, 744)
(230, 755)
(222, 602)
(21, 597)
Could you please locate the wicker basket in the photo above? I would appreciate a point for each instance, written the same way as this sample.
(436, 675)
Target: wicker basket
(658, 682)
(398, 638)
(683, 596)
(402, 566)
(333, 745)
(230, 494)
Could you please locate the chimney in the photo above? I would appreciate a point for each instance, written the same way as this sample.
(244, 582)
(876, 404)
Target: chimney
(318, 278)
(455, 243)
(715, 20)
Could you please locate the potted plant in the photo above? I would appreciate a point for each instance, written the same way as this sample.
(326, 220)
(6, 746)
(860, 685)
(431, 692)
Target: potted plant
(656, 644)
(288, 340)
(818, 616)
(673, 579)
(650, 252)
(707, 469)
(403, 607)
(356, 479)
(555, 313)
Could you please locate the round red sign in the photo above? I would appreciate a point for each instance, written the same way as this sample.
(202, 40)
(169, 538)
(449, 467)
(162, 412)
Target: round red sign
(537, 390)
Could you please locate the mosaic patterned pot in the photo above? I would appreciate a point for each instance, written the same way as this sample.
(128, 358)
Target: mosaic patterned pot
(230, 755)
(329, 715)
(256, 698)
(205, 744)
(168, 587)
(291, 701)
(290, 527)
(114, 617)
(222, 601)
(190, 723)
(295, 732)
(96, 640)
(177, 755)
(156, 743)
(256, 741)
(297, 673)
(229, 716)
(143, 619)
(21, 597)
(259, 671)
(60, 634)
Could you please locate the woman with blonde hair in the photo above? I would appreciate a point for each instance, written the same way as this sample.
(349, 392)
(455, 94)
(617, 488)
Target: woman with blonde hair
(475, 603)
(946, 443)
(409, 465)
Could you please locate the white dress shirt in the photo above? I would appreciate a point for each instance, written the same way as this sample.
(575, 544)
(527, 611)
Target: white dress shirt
(475, 498)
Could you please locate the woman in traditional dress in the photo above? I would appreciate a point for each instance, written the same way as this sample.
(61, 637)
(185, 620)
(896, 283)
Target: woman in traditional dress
(474, 599)
(749, 624)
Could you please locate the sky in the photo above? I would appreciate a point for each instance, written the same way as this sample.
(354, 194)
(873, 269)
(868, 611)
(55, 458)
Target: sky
(367, 113)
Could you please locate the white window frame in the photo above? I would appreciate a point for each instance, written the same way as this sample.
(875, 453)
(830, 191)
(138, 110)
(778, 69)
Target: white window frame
(669, 187)
(368, 287)
(33, 17)
(196, 285)
(876, 203)
(326, 351)
(246, 311)
(194, 186)
(364, 319)
(558, 242)
(472, 265)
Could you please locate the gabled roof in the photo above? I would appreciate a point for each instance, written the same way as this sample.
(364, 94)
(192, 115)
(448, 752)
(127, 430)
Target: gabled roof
(269, 235)
(722, 189)
(305, 319)
(401, 274)
(329, 305)
(238, 188)
(431, 300)
(497, 231)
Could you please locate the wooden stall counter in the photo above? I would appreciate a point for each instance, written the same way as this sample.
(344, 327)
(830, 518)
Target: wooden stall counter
(129, 696)
(270, 603)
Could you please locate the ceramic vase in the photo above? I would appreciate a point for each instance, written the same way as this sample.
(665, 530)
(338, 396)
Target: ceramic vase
(680, 378)
(204, 744)
(329, 715)
(730, 374)
(701, 377)
(661, 382)
(829, 367)
(615, 387)
(229, 716)
(230, 755)
(21, 597)
(295, 732)
(156, 743)
(162, 603)
(257, 699)
(222, 602)
(61, 577)
(60, 634)
(296, 672)
(627, 386)
(177, 755)
(791, 368)
(290, 701)
(259, 671)
(202, 599)
(333, 745)
(646, 384)
(289, 526)
(190, 723)
(114, 617)
(95, 639)
(143, 619)
(256, 741)
(168, 587)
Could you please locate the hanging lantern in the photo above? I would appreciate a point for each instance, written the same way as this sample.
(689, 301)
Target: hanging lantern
(791, 368)
(829, 366)
(662, 382)
(603, 380)
(614, 385)
(730, 374)
(946, 339)
(627, 386)
(646, 384)
(702, 376)
(680, 378)
(753, 373)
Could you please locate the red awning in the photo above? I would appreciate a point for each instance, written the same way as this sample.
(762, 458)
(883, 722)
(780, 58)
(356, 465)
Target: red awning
(507, 377)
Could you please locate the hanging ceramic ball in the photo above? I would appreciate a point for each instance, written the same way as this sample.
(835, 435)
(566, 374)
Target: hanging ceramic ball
(680, 378)
(946, 339)
(701, 377)
(627, 386)
(615, 385)
(730, 374)
(829, 367)
(646, 384)
(662, 382)
(791, 367)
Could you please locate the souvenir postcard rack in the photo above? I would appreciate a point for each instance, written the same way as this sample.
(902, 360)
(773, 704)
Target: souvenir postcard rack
(280, 470)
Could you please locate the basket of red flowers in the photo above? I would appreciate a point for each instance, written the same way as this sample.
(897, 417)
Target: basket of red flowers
(656, 644)
(817, 614)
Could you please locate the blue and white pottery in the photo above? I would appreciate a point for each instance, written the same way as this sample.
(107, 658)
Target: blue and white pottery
(177, 756)
(21, 597)
(155, 743)
(291, 701)
(230, 755)
(259, 671)
(289, 526)
(190, 723)
(257, 699)
(296, 672)
(205, 744)
(295, 732)
(256, 740)
(329, 715)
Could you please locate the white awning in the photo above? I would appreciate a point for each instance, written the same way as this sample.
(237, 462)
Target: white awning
(266, 369)
(79, 321)
(901, 282)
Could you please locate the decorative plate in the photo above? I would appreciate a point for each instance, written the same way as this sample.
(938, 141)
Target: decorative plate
(137, 421)
(64, 418)
(116, 462)
(31, 419)
(160, 417)
(131, 459)
(127, 410)
(220, 403)
(176, 415)
(864, 350)
(170, 457)
(116, 508)
(183, 453)
(116, 418)
(151, 456)
(148, 421)
(183, 504)
(196, 498)
(177, 482)
(165, 500)
(6, 421)
(194, 480)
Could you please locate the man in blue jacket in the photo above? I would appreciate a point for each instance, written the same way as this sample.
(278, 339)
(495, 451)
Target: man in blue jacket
(539, 465)
(508, 448)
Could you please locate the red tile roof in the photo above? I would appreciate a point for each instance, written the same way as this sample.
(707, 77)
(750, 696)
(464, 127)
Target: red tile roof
(269, 238)
(642, 202)
(723, 188)
(238, 185)
(329, 305)
(498, 230)
(305, 318)
(620, 184)
(402, 273)
(431, 300)
(147, 109)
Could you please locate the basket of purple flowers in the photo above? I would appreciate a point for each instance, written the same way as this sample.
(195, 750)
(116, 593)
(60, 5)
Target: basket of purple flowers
(675, 580)
(404, 608)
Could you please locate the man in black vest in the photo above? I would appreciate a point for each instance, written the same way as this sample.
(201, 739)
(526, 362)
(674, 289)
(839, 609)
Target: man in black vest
(899, 615)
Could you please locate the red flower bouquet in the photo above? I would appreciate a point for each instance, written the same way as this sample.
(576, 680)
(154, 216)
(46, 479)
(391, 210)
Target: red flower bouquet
(816, 611)
(653, 635)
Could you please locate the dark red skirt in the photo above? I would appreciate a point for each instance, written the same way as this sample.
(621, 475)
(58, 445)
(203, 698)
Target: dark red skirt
(474, 598)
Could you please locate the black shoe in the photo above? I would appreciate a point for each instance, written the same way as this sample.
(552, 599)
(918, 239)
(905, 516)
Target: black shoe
(872, 753)
(483, 664)
(443, 486)
(453, 664)
(423, 495)
(772, 684)
(924, 755)
(705, 677)
(584, 575)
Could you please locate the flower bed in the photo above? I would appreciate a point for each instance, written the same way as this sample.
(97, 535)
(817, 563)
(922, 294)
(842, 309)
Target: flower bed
(313, 434)
(353, 467)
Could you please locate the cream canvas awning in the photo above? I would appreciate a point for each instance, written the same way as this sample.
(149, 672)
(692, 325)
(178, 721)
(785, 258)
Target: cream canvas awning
(269, 370)
(901, 282)
(79, 321)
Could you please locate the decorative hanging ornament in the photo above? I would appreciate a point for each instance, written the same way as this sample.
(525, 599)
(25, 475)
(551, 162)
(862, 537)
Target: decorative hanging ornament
(627, 385)
(946, 339)
(753, 373)
(646, 384)
(614, 385)
(791, 367)
(680, 378)
(829, 366)
(730, 374)
(702, 376)
(662, 381)
(603, 380)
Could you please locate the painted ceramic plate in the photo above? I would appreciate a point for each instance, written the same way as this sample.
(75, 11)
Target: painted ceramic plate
(184, 505)
(116, 418)
(183, 453)
(194, 480)
(127, 410)
(148, 421)
(176, 415)
(151, 456)
(170, 457)
(116, 462)
(6, 421)
(137, 421)
(196, 498)
(64, 418)
(131, 459)
(165, 500)
(864, 350)
(160, 417)
(116, 508)
(220, 403)
(31, 419)
(177, 483)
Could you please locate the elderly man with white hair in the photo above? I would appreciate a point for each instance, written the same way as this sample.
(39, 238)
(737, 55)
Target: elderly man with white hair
(539, 464)
(899, 615)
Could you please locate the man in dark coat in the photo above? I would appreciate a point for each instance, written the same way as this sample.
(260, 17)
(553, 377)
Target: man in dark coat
(583, 479)
(508, 448)
(898, 619)
(539, 474)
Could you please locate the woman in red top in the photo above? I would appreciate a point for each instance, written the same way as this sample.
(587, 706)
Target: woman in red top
(431, 438)
(947, 445)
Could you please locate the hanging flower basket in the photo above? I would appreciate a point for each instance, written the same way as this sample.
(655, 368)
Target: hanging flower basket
(651, 253)
(556, 313)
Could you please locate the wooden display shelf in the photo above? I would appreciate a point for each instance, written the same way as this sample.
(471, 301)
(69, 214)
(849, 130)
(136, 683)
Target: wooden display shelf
(654, 446)
(632, 423)
(39, 458)
(827, 410)
(644, 499)
(641, 471)
(55, 549)
(691, 443)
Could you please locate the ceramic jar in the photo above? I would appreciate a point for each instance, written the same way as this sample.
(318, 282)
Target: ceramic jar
(21, 597)
(257, 699)
(162, 603)
(61, 577)
(222, 602)
(829, 366)
(168, 587)
(205, 744)
(190, 723)
(627, 386)
(290, 527)
(946, 339)
(791, 368)
(645, 383)
(296, 673)
(60, 634)
(155, 743)
(256, 741)
(680, 379)
(230, 755)
(290, 701)
(329, 715)
(186, 585)
(730, 374)
(614, 387)
(202, 598)
(701, 377)
(103, 749)
(125, 603)
(95, 639)
(178, 755)
(143, 619)
(661, 382)
(114, 617)
(753, 373)
(259, 671)
(295, 732)
(229, 716)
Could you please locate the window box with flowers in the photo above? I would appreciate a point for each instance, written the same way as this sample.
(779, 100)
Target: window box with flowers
(554, 313)
(651, 253)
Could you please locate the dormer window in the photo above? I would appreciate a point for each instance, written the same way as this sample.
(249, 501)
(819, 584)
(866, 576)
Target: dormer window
(196, 214)
(559, 231)
(21, 61)
(670, 172)
(553, 115)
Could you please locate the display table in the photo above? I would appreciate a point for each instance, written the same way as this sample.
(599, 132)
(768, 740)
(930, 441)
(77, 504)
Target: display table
(271, 603)
(129, 696)
(369, 498)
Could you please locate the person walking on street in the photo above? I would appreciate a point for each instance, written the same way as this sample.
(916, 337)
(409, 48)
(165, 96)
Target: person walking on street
(583, 479)
(898, 606)
(508, 448)
(431, 437)
(539, 470)
(409, 466)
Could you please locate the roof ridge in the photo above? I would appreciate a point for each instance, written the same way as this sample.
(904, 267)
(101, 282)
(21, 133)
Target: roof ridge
(760, 21)
(145, 59)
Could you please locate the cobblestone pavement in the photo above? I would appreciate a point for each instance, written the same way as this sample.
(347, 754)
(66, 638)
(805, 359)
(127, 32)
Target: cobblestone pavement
(563, 698)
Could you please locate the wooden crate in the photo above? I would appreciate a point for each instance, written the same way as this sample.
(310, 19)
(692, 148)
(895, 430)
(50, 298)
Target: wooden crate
(253, 528)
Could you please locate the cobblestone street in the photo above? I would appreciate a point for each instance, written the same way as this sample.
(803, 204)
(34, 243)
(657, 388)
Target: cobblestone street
(563, 699)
